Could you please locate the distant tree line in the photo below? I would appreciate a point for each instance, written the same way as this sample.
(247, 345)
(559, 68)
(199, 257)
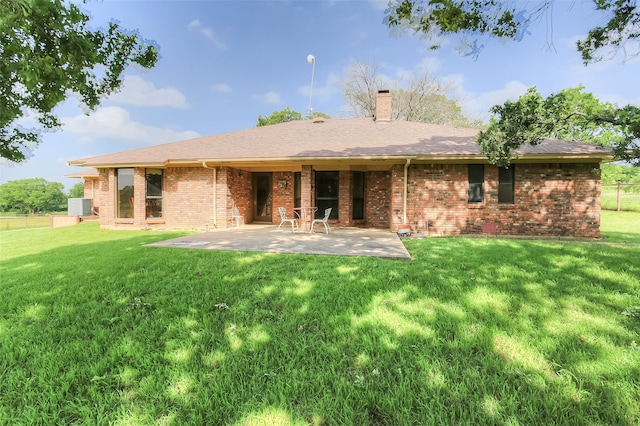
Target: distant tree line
(612, 174)
(36, 195)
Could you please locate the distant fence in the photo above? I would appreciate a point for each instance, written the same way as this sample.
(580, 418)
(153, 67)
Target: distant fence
(621, 196)
(8, 223)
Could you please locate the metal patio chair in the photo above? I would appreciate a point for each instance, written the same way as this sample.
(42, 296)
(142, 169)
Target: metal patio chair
(327, 213)
(236, 218)
(285, 219)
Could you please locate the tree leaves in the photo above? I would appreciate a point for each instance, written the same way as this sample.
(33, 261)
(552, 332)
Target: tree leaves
(571, 115)
(47, 51)
(35, 195)
(276, 117)
(471, 19)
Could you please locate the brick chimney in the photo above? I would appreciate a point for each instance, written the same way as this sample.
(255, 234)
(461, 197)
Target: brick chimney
(383, 106)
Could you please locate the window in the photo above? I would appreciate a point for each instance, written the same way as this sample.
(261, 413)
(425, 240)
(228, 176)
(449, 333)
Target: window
(358, 196)
(476, 184)
(327, 193)
(124, 194)
(153, 177)
(506, 184)
(297, 189)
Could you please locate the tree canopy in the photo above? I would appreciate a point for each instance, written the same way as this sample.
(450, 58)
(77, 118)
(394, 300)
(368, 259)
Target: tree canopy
(35, 195)
(276, 117)
(421, 96)
(571, 114)
(616, 173)
(77, 190)
(438, 19)
(48, 51)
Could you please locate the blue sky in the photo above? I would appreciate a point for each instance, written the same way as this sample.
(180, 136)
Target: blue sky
(224, 63)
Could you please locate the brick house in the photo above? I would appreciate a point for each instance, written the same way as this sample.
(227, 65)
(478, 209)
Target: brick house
(373, 172)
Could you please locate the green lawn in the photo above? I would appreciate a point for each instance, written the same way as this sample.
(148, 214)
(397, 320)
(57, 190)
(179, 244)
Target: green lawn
(629, 200)
(622, 226)
(97, 329)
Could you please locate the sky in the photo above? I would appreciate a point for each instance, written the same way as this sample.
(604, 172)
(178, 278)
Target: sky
(224, 63)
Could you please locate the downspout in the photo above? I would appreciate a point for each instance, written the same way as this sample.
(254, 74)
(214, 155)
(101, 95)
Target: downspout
(405, 191)
(215, 192)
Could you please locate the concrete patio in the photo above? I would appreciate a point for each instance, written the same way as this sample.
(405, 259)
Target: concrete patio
(267, 238)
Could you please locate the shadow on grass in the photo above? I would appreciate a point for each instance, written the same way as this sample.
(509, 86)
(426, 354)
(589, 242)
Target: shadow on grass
(474, 331)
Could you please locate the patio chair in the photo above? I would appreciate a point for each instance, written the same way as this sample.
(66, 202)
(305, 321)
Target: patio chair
(236, 218)
(285, 219)
(327, 213)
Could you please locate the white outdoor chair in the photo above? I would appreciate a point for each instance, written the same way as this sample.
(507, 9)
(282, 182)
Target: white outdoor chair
(236, 218)
(327, 213)
(285, 219)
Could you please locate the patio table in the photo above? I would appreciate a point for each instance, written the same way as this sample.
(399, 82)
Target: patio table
(305, 216)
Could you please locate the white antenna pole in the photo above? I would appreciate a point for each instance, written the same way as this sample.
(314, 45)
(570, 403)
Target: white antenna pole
(312, 60)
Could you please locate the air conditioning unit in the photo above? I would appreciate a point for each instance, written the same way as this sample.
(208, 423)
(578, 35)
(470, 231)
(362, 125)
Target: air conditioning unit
(79, 206)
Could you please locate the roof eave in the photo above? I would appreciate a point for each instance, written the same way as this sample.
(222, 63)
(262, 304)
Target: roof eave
(584, 157)
(118, 165)
(579, 157)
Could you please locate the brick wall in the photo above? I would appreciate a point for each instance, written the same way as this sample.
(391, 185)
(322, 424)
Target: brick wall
(187, 198)
(106, 194)
(92, 189)
(344, 198)
(238, 191)
(281, 194)
(377, 199)
(549, 200)
(307, 185)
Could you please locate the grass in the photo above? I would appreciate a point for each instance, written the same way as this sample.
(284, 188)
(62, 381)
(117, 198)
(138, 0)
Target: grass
(629, 201)
(97, 329)
(622, 226)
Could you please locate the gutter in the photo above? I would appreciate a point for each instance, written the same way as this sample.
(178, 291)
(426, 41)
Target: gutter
(215, 192)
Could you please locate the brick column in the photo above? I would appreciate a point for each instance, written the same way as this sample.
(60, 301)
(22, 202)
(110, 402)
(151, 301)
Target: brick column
(344, 198)
(222, 198)
(306, 187)
(397, 194)
(139, 195)
(107, 195)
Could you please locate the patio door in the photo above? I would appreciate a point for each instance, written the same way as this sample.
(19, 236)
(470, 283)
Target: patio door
(262, 197)
(327, 193)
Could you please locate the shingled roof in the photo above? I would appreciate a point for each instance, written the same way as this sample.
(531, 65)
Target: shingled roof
(355, 139)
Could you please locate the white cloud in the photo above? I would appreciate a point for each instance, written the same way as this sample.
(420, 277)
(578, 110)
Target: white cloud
(137, 91)
(208, 33)
(116, 123)
(477, 105)
(430, 64)
(271, 97)
(222, 88)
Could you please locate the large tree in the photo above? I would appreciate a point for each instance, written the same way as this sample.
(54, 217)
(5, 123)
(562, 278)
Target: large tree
(47, 52)
(472, 19)
(420, 96)
(35, 195)
(570, 114)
